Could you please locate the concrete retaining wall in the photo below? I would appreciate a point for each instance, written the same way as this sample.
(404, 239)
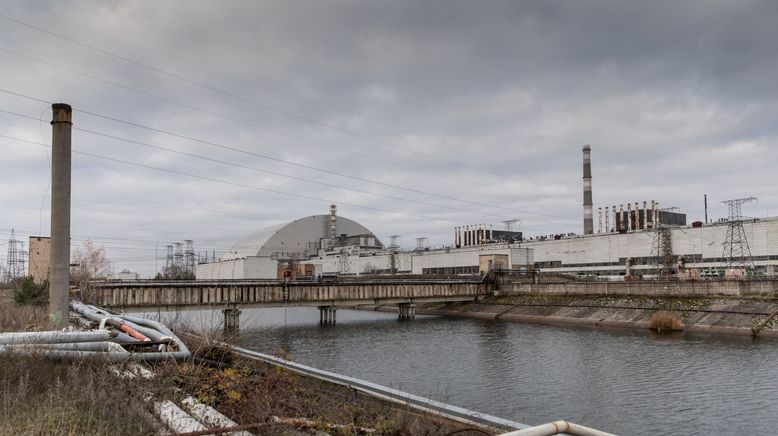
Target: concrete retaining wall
(706, 288)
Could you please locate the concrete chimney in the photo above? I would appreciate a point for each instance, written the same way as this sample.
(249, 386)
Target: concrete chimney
(587, 191)
(59, 260)
(614, 227)
(599, 220)
(629, 217)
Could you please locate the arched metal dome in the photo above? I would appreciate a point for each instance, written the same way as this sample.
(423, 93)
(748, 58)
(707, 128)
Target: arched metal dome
(298, 239)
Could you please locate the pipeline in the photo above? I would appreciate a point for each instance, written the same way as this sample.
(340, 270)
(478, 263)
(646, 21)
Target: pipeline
(149, 329)
(558, 427)
(55, 337)
(101, 344)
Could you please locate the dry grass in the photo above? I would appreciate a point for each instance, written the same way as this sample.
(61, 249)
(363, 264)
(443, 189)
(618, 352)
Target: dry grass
(664, 321)
(252, 392)
(14, 317)
(39, 396)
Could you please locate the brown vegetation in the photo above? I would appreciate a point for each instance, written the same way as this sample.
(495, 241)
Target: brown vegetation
(665, 321)
(14, 317)
(41, 396)
(252, 392)
(38, 396)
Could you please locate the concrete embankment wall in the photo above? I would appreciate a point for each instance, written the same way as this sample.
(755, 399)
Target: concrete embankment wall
(736, 316)
(701, 288)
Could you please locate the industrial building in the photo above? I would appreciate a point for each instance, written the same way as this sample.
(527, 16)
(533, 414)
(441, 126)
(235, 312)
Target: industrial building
(280, 251)
(629, 242)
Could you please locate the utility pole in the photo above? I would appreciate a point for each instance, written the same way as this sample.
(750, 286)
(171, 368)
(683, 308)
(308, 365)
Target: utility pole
(59, 280)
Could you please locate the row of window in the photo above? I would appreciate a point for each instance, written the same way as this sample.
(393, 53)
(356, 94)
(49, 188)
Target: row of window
(450, 270)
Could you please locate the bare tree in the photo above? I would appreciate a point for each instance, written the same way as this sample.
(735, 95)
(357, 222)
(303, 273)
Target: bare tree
(91, 263)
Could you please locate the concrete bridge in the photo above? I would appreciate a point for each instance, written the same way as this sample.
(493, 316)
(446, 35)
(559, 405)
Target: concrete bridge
(232, 295)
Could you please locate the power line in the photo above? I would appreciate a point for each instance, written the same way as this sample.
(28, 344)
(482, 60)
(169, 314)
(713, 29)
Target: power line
(246, 99)
(235, 120)
(242, 185)
(262, 156)
(237, 165)
(255, 169)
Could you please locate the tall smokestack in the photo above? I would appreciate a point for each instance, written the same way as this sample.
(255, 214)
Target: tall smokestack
(587, 190)
(333, 221)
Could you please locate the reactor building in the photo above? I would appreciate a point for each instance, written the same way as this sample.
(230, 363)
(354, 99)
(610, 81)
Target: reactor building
(630, 241)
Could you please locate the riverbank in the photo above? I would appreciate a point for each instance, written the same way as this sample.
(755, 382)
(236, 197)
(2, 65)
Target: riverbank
(91, 396)
(727, 316)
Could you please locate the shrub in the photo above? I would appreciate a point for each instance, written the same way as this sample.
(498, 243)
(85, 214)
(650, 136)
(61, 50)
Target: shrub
(665, 321)
(29, 292)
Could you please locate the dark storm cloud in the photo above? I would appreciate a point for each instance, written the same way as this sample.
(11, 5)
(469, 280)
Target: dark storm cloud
(677, 100)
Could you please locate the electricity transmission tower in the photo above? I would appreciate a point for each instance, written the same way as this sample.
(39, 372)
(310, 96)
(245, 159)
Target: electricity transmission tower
(510, 224)
(394, 247)
(421, 243)
(189, 258)
(662, 248)
(15, 260)
(736, 251)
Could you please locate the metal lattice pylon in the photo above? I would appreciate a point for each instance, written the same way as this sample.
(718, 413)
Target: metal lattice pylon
(15, 261)
(662, 251)
(394, 247)
(737, 254)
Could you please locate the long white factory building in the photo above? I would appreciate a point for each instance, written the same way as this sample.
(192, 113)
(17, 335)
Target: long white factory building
(613, 254)
(629, 242)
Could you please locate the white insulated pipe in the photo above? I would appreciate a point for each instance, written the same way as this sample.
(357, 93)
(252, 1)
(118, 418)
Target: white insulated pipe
(558, 427)
(176, 419)
(210, 416)
(54, 337)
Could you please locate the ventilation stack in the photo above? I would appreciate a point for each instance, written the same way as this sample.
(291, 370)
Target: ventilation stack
(587, 191)
(333, 221)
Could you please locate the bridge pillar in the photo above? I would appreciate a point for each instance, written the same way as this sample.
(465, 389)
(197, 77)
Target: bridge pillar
(406, 311)
(327, 315)
(231, 321)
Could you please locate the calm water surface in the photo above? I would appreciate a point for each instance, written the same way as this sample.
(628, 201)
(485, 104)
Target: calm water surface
(626, 382)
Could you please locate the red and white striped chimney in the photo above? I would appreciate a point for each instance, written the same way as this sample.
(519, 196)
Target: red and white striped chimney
(587, 191)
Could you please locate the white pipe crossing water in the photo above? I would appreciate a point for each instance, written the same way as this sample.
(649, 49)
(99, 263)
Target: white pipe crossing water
(558, 428)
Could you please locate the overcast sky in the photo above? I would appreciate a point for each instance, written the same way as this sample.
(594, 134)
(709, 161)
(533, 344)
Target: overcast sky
(413, 117)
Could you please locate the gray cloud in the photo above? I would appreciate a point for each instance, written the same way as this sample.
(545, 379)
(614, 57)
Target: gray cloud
(676, 99)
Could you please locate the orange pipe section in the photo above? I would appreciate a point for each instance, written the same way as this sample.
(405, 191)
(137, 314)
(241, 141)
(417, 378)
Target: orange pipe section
(134, 333)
